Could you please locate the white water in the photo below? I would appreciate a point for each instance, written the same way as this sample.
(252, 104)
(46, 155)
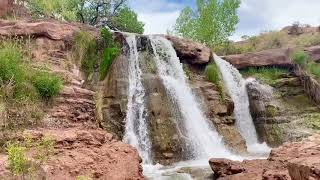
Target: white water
(203, 139)
(136, 132)
(236, 86)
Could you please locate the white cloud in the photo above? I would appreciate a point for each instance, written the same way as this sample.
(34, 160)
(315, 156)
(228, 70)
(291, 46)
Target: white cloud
(159, 22)
(255, 15)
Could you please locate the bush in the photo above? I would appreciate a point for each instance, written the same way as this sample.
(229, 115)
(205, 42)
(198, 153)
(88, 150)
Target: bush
(212, 73)
(18, 162)
(301, 58)
(48, 85)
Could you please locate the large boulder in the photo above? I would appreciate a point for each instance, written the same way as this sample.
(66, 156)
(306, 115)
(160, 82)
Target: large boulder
(314, 52)
(296, 161)
(5, 7)
(190, 51)
(271, 57)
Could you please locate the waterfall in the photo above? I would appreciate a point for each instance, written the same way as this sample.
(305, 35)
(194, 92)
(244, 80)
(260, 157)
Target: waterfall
(236, 86)
(136, 132)
(203, 140)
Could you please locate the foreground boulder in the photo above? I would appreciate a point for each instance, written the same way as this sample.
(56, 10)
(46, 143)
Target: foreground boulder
(271, 57)
(190, 51)
(296, 161)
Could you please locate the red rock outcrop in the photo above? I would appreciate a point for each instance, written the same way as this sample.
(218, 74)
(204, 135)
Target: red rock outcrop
(314, 52)
(272, 57)
(81, 147)
(296, 161)
(190, 51)
(5, 7)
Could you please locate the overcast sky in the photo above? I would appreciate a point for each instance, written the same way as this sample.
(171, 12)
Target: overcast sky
(255, 15)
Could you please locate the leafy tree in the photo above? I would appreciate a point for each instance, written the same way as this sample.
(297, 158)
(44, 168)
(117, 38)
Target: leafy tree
(127, 20)
(212, 22)
(113, 13)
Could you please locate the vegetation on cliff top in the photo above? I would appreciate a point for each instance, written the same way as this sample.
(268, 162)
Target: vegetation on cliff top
(305, 62)
(268, 75)
(113, 13)
(87, 54)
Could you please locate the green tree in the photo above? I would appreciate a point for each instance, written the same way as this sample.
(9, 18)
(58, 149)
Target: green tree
(212, 22)
(113, 13)
(127, 20)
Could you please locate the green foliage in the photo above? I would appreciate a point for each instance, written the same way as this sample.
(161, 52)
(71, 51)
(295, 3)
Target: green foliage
(113, 13)
(85, 52)
(111, 51)
(109, 55)
(59, 9)
(213, 75)
(301, 58)
(127, 20)
(314, 69)
(268, 75)
(211, 23)
(48, 85)
(18, 162)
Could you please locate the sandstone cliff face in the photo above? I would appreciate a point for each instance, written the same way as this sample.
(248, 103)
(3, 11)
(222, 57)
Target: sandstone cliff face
(284, 112)
(81, 147)
(292, 161)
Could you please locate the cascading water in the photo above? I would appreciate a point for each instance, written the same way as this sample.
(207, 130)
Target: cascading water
(236, 86)
(136, 132)
(203, 139)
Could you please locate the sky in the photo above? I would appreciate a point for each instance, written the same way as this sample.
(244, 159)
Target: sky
(255, 16)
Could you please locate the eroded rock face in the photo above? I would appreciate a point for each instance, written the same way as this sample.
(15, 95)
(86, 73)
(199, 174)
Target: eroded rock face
(82, 148)
(283, 113)
(191, 52)
(314, 53)
(5, 7)
(296, 161)
(219, 111)
(272, 57)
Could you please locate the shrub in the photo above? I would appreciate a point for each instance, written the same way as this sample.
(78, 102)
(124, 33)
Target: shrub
(18, 162)
(48, 85)
(212, 73)
(301, 58)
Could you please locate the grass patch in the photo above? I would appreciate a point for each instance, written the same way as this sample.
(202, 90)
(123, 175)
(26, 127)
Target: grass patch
(314, 69)
(21, 87)
(87, 55)
(85, 52)
(213, 75)
(301, 58)
(22, 166)
(266, 75)
(313, 121)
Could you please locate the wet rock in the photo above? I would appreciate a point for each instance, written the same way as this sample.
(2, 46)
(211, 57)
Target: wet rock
(296, 161)
(219, 110)
(281, 113)
(272, 57)
(191, 52)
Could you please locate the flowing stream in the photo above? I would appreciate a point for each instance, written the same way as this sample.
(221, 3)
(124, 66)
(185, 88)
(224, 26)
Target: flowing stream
(136, 132)
(236, 87)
